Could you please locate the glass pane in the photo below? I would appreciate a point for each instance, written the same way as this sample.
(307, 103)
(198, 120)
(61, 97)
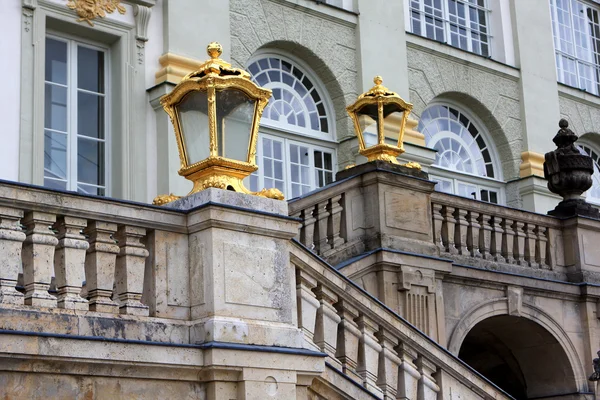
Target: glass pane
(88, 189)
(56, 61)
(235, 112)
(90, 161)
(55, 107)
(328, 163)
(90, 115)
(304, 157)
(194, 126)
(318, 159)
(90, 69)
(55, 155)
(54, 184)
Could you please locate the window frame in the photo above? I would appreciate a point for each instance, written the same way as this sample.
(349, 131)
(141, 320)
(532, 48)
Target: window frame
(312, 145)
(482, 182)
(447, 24)
(593, 149)
(561, 54)
(316, 82)
(72, 108)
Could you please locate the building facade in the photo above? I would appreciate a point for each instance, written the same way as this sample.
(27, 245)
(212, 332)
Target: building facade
(411, 275)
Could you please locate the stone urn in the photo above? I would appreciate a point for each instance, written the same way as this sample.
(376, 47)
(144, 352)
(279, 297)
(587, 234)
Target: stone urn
(569, 174)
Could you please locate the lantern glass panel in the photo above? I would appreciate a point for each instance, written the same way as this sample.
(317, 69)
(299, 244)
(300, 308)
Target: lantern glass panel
(393, 124)
(235, 113)
(368, 126)
(193, 117)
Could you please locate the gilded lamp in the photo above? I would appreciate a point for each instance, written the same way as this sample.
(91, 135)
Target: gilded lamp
(375, 113)
(216, 112)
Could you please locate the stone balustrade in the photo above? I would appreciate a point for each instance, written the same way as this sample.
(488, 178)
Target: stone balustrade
(477, 233)
(74, 252)
(371, 344)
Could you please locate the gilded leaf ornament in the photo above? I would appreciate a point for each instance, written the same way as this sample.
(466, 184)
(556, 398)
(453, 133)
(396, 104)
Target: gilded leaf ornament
(87, 10)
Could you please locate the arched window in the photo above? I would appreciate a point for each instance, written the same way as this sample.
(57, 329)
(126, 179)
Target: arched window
(593, 194)
(296, 150)
(461, 148)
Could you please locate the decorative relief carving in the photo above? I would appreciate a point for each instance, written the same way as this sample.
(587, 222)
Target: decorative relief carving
(87, 10)
(27, 19)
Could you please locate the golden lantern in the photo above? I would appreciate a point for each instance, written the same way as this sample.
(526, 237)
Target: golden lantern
(216, 112)
(374, 113)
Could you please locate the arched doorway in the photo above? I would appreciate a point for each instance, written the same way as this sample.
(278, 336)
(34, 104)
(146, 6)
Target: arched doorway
(519, 356)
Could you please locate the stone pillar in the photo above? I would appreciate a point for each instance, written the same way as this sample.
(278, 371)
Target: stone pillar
(100, 264)
(130, 266)
(38, 258)
(69, 260)
(11, 243)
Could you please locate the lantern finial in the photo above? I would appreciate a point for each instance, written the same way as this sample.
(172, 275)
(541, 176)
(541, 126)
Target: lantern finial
(214, 50)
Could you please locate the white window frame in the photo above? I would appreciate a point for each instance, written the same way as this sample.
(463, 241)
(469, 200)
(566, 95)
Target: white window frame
(496, 184)
(322, 91)
(595, 177)
(561, 53)
(446, 27)
(287, 141)
(72, 111)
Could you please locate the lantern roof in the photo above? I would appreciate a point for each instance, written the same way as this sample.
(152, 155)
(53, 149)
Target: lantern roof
(215, 66)
(379, 92)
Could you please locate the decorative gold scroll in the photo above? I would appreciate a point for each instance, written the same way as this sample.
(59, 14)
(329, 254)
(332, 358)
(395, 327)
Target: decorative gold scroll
(87, 10)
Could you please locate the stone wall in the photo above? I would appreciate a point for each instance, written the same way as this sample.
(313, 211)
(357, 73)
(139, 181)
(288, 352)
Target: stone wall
(491, 94)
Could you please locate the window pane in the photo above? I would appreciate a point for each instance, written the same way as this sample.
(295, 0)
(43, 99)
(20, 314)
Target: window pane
(54, 184)
(55, 107)
(88, 189)
(90, 161)
(55, 155)
(90, 115)
(90, 69)
(56, 61)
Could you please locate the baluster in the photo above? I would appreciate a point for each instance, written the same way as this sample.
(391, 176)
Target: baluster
(473, 231)
(307, 304)
(541, 233)
(485, 238)
(11, 243)
(428, 388)
(69, 260)
(348, 337)
(38, 258)
(530, 245)
(308, 228)
(508, 240)
(519, 243)
(496, 241)
(100, 264)
(130, 268)
(448, 229)
(387, 374)
(550, 250)
(334, 225)
(460, 235)
(438, 222)
(368, 354)
(320, 235)
(408, 374)
(327, 321)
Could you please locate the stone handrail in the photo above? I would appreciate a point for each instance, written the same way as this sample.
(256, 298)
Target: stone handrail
(463, 228)
(371, 344)
(62, 239)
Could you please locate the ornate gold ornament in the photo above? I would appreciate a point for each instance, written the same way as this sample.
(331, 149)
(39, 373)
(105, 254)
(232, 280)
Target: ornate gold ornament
(216, 112)
(369, 114)
(88, 10)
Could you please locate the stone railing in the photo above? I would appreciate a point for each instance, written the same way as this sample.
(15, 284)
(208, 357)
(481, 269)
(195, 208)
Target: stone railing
(371, 344)
(52, 243)
(480, 233)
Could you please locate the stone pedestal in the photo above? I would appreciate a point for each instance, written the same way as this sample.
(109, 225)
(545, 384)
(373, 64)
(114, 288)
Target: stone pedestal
(243, 288)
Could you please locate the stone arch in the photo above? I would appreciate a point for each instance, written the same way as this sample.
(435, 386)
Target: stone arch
(499, 307)
(327, 47)
(509, 153)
